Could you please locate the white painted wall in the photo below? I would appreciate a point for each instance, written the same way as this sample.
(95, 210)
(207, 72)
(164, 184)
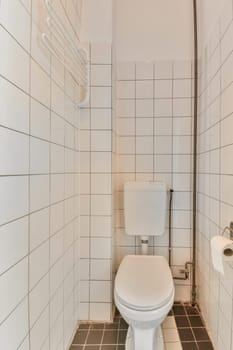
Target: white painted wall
(141, 29)
(97, 21)
(153, 29)
(208, 14)
(149, 29)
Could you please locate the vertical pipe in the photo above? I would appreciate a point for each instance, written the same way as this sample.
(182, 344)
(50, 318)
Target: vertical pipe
(194, 287)
(170, 230)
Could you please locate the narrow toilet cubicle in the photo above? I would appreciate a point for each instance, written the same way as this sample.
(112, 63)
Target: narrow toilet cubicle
(116, 177)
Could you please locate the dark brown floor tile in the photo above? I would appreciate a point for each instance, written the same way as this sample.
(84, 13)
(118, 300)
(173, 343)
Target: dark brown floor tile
(92, 347)
(178, 310)
(94, 337)
(121, 347)
(80, 337)
(99, 326)
(200, 334)
(113, 325)
(116, 319)
(196, 321)
(170, 313)
(182, 321)
(117, 313)
(186, 334)
(189, 346)
(123, 324)
(83, 326)
(191, 310)
(110, 337)
(205, 346)
(122, 337)
(76, 347)
(108, 347)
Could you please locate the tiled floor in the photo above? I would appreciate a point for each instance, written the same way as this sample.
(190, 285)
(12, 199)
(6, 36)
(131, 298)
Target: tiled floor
(191, 328)
(182, 329)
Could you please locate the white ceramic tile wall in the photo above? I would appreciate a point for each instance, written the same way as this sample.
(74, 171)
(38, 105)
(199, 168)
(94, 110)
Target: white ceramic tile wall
(96, 191)
(39, 177)
(153, 143)
(215, 186)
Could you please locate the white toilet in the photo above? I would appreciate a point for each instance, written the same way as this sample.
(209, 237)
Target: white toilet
(144, 289)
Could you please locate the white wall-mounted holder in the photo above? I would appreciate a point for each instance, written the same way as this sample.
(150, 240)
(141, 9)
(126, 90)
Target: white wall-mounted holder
(68, 52)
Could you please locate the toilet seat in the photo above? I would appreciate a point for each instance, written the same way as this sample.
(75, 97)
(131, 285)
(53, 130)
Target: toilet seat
(144, 283)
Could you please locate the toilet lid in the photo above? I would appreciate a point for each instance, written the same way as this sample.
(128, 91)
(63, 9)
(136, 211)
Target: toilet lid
(144, 282)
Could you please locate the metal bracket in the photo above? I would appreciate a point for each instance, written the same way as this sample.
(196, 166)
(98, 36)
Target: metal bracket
(184, 271)
(231, 230)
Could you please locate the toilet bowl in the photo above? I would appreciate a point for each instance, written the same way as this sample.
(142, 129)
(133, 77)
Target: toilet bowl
(144, 295)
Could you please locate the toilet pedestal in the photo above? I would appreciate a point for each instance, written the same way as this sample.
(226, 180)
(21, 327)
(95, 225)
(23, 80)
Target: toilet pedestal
(144, 342)
(144, 299)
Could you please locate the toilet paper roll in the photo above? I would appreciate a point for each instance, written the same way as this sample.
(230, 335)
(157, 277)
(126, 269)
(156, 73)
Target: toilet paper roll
(221, 250)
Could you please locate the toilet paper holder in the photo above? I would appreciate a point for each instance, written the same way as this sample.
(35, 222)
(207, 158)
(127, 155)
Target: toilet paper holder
(228, 229)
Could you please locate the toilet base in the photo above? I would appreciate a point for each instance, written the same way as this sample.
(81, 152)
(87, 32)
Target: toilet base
(159, 342)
